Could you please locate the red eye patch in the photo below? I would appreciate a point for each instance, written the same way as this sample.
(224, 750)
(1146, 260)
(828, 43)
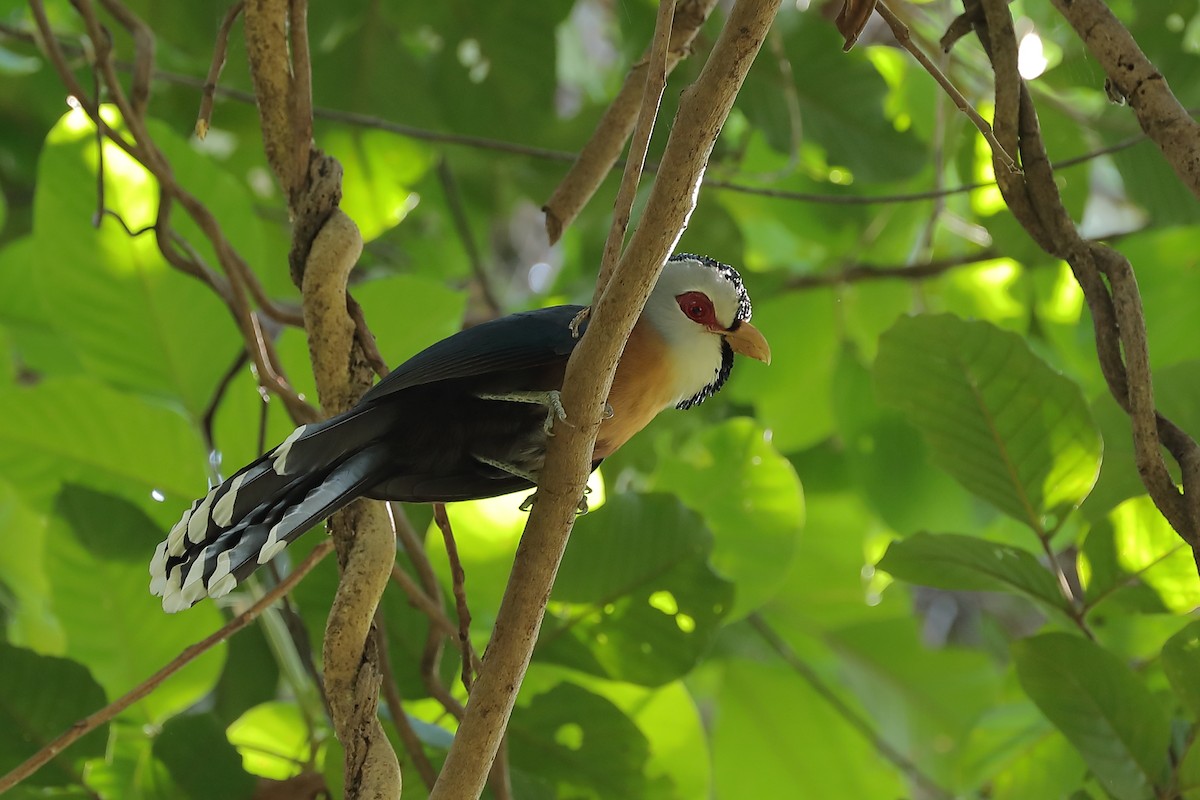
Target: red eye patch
(697, 307)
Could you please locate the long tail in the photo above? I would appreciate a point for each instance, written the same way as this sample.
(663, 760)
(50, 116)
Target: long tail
(252, 516)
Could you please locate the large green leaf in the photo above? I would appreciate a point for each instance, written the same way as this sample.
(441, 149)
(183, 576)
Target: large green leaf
(134, 320)
(775, 731)
(111, 622)
(40, 698)
(792, 397)
(748, 495)
(23, 576)
(81, 430)
(1181, 663)
(997, 418)
(584, 743)
(953, 561)
(1101, 706)
(639, 602)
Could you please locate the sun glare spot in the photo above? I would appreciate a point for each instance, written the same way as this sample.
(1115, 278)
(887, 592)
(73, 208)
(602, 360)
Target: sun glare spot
(1031, 56)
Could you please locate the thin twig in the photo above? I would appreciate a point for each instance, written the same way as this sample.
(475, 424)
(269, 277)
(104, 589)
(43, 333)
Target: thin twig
(901, 32)
(459, 580)
(208, 93)
(395, 705)
(639, 145)
(463, 227)
(189, 654)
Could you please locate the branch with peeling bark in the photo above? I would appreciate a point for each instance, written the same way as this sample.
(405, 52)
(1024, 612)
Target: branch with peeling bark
(702, 111)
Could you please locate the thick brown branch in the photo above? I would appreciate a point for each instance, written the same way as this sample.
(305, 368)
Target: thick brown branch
(703, 109)
(1137, 80)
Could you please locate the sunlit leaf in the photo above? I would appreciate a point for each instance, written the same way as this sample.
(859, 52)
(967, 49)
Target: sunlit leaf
(135, 321)
(637, 608)
(750, 498)
(997, 418)
(273, 740)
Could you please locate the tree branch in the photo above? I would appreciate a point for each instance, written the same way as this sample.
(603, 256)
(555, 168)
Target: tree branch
(702, 110)
(1133, 76)
(603, 150)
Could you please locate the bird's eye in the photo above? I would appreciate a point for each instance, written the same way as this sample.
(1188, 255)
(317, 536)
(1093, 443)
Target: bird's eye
(697, 307)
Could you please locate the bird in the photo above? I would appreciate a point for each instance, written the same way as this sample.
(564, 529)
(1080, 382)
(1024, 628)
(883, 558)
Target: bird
(464, 419)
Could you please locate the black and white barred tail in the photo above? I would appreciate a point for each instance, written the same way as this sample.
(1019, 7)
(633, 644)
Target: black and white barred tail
(247, 520)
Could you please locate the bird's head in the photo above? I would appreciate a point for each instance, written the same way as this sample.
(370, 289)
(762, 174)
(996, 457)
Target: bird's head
(702, 311)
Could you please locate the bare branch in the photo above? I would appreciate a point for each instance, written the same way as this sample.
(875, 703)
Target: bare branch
(702, 110)
(654, 82)
(1158, 111)
(601, 152)
(204, 118)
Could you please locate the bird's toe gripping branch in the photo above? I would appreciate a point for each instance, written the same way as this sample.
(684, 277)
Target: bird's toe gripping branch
(551, 399)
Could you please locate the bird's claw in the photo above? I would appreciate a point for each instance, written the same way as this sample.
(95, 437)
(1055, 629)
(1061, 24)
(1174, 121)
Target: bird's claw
(578, 320)
(554, 402)
(608, 412)
(581, 507)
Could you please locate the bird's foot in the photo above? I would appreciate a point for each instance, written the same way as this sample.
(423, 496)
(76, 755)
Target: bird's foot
(581, 507)
(578, 321)
(552, 399)
(608, 412)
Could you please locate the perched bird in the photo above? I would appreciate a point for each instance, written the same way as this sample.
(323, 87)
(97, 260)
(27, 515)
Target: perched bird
(466, 418)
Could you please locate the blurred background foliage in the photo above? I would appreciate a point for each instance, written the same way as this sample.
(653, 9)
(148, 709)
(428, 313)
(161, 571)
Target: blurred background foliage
(970, 596)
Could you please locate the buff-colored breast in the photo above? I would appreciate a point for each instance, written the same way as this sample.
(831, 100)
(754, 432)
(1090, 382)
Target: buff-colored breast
(641, 388)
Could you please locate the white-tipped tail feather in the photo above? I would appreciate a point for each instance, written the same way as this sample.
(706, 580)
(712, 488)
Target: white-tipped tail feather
(250, 518)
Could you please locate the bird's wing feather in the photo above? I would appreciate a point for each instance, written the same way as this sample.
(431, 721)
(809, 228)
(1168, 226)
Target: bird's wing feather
(519, 341)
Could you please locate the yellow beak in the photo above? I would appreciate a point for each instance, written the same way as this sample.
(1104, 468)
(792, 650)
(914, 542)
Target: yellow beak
(749, 341)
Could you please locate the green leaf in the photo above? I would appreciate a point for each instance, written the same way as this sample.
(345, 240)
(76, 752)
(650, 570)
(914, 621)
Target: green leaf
(202, 762)
(637, 608)
(775, 731)
(80, 430)
(40, 698)
(108, 527)
(134, 320)
(1101, 706)
(667, 717)
(792, 397)
(998, 419)
(23, 573)
(956, 562)
(582, 742)
(119, 630)
(273, 739)
(129, 768)
(1181, 664)
(1148, 547)
(749, 496)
